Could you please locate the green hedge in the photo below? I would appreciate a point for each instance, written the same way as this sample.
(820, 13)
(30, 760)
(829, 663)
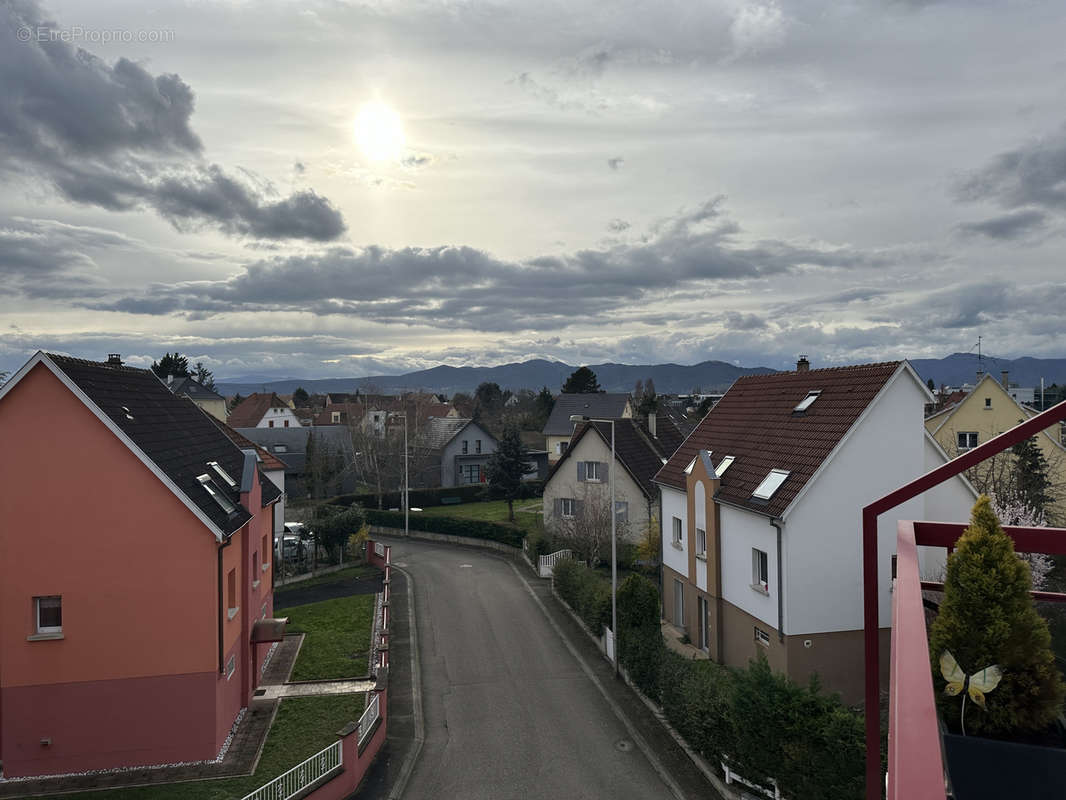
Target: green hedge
(769, 726)
(585, 591)
(452, 526)
(427, 498)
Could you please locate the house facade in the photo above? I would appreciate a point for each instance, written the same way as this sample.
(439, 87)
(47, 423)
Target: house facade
(761, 516)
(603, 405)
(135, 572)
(263, 411)
(987, 411)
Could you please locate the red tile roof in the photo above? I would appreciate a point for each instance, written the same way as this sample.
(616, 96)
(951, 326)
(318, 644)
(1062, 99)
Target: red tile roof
(755, 423)
(252, 409)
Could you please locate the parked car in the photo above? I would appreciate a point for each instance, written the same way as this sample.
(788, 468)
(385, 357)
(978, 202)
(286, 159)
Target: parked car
(290, 548)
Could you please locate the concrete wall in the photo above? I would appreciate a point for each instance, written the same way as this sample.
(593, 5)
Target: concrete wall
(741, 531)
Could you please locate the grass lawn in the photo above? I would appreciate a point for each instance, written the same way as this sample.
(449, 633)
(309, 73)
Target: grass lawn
(527, 514)
(337, 637)
(346, 574)
(303, 726)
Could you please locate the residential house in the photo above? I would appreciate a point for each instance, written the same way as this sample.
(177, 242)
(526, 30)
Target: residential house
(761, 515)
(270, 465)
(210, 401)
(318, 460)
(604, 405)
(460, 448)
(989, 410)
(263, 411)
(579, 482)
(135, 572)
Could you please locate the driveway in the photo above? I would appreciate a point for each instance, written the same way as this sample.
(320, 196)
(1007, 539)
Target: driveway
(510, 710)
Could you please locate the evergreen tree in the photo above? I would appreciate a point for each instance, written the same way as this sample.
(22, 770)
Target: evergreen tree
(236, 401)
(931, 384)
(988, 618)
(171, 364)
(582, 381)
(506, 467)
(300, 396)
(203, 376)
(1031, 476)
(545, 404)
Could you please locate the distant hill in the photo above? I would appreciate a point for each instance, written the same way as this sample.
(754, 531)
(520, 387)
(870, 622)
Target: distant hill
(959, 368)
(669, 378)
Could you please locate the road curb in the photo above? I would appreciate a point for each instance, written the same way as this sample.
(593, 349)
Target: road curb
(409, 763)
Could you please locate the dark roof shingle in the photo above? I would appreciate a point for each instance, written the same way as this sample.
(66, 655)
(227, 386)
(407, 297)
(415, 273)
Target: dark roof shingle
(754, 422)
(593, 404)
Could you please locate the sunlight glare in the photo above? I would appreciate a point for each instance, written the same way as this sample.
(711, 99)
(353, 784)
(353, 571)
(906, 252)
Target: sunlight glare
(379, 132)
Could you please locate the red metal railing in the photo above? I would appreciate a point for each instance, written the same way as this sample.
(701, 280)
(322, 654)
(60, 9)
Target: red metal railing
(870, 513)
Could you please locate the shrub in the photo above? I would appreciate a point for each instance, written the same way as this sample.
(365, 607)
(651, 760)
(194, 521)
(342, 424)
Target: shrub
(451, 526)
(640, 642)
(586, 592)
(427, 498)
(987, 618)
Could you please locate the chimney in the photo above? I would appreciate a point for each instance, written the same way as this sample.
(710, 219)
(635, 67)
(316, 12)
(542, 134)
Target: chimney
(1003, 378)
(114, 359)
(651, 423)
(980, 374)
(803, 365)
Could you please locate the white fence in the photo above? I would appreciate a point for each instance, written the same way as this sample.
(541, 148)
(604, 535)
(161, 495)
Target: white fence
(302, 775)
(731, 776)
(370, 716)
(608, 643)
(546, 564)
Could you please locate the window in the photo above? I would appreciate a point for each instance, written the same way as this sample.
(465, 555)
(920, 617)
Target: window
(270, 423)
(222, 474)
(723, 465)
(770, 484)
(988, 402)
(470, 473)
(216, 494)
(48, 611)
(760, 573)
(701, 542)
(257, 567)
(286, 423)
(566, 507)
(967, 440)
(281, 448)
(265, 551)
(594, 470)
(621, 511)
(466, 447)
(677, 531)
(679, 603)
(231, 593)
(807, 401)
(762, 637)
(477, 445)
(560, 447)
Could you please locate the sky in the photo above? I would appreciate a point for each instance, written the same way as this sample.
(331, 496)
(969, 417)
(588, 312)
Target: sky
(325, 188)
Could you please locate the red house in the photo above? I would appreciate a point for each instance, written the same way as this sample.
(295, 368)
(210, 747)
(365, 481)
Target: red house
(135, 566)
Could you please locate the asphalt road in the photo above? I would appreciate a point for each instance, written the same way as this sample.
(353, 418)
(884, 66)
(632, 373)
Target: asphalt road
(509, 711)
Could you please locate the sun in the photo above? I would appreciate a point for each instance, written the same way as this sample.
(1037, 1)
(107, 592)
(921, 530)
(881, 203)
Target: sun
(379, 132)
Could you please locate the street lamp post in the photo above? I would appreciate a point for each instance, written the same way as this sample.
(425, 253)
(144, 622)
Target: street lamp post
(404, 493)
(614, 539)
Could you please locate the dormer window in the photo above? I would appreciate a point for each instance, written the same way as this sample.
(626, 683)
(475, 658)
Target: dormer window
(216, 494)
(723, 465)
(807, 401)
(222, 474)
(770, 484)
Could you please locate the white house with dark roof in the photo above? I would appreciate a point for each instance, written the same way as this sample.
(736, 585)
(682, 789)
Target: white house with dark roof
(603, 405)
(761, 515)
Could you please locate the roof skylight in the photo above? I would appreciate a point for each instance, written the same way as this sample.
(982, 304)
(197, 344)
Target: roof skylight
(770, 484)
(216, 494)
(808, 401)
(723, 465)
(222, 474)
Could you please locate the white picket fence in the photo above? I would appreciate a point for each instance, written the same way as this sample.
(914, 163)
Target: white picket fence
(370, 716)
(546, 564)
(291, 783)
(731, 776)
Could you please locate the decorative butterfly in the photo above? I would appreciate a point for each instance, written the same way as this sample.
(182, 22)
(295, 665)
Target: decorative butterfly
(976, 685)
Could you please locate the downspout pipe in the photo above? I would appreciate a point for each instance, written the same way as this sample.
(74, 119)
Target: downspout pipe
(778, 525)
(221, 607)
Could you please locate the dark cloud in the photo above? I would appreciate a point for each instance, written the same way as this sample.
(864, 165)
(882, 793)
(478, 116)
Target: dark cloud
(734, 320)
(1031, 175)
(118, 137)
(616, 163)
(469, 288)
(40, 259)
(1013, 225)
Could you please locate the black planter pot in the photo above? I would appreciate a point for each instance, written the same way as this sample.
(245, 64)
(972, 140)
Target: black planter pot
(990, 769)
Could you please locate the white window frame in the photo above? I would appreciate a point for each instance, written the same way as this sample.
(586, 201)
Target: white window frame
(677, 532)
(762, 637)
(770, 484)
(566, 507)
(970, 436)
(701, 543)
(594, 471)
(760, 571)
(47, 629)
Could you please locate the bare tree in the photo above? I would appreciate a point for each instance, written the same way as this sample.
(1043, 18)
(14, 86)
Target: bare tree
(588, 531)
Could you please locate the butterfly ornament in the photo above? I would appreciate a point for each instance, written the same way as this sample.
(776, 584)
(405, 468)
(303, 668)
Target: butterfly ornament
(976, 685)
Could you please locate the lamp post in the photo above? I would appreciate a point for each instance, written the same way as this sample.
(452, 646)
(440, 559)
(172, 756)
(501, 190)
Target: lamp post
(614, 543)
(403, 494)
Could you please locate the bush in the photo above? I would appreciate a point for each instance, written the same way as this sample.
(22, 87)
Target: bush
(987, 618)
(427, 498)
(640, 643)
(451, 526)
(588, 594)
(697, 698)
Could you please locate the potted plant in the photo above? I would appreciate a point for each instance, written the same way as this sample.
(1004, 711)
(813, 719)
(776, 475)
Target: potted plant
(990, 647)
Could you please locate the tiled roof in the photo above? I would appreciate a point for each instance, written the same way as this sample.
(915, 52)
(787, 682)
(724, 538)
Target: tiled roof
(252, 409)
(195, 390)
(640, 453)
(267, 460)
(596, 404)
(755, 423)
(171, 431)
(438, 431)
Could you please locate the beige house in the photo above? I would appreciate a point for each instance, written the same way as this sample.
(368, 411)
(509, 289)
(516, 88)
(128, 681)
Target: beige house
(987, 411)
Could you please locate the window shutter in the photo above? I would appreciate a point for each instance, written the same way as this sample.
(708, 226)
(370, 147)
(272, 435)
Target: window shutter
(557, 506)
(581, 470)
(603, 471)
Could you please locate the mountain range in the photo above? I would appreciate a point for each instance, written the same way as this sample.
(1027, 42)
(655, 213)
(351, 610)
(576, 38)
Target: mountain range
(707, 376)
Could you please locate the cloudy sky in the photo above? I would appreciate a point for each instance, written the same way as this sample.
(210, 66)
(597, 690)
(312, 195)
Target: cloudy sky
(323, 187)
